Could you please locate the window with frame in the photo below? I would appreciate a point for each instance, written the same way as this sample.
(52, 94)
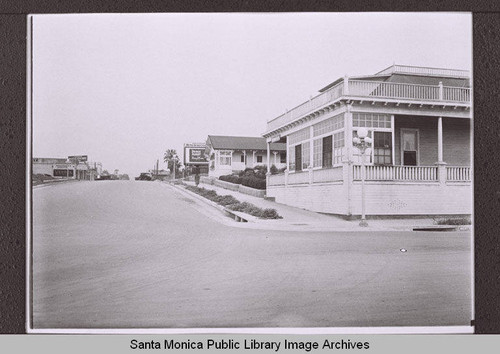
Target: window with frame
(242, 158)
(327, 151)
(259, 158)
(291, 158)
(382, 148)
(338, 147)
(225, 158)
(306, 157)
(282, 157)
(301, 135)
(371, 120)
(329, 125)
(298, 157)
(317, 153)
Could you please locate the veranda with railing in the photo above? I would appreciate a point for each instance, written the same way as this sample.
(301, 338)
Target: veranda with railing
(448, 174)
(375, 89)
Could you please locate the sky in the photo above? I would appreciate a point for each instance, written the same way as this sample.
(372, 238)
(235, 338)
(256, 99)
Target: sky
(123, 88)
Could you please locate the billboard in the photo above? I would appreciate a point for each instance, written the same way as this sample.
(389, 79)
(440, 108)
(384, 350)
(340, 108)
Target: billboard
(195, 155)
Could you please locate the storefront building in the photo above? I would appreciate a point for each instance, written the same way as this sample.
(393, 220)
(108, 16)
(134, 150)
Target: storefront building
(66, 168)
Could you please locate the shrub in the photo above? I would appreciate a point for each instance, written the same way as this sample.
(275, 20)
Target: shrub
(247, 178)
(247, 172)
(230, 178)
(239, 206)
(253, 182)
(269, 213)
(233, 204)
(273, 170)
(226, 200)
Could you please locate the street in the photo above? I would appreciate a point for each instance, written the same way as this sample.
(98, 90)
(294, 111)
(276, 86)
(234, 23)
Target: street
(137, 254)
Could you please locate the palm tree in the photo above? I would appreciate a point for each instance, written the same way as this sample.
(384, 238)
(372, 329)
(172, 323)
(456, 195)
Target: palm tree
(170, 157)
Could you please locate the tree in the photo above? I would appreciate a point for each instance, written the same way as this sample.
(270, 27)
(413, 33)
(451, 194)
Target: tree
(169, 157)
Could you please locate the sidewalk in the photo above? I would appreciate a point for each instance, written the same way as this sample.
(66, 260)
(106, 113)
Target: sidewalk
(295, 219)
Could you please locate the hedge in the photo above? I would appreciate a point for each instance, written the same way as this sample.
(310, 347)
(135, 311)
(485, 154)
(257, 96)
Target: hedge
(233, 204)
(253, 178)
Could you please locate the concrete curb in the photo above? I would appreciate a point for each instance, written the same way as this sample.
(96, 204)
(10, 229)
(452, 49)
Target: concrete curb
(226, 214)
(281, 225)
(53, 183)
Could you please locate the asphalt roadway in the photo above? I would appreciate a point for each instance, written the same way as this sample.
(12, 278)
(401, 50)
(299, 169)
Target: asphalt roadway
(134, 254)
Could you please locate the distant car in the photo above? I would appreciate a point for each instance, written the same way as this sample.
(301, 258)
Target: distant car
(144, 177)
(103, 177)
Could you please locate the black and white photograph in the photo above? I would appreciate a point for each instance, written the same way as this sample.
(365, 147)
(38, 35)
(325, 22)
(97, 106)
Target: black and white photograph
(302, 172)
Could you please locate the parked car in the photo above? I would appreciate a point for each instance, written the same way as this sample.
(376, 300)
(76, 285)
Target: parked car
(144, 177)
(103, 177)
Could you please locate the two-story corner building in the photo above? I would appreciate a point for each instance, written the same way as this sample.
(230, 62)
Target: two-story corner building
(419, 162)
(228, 154)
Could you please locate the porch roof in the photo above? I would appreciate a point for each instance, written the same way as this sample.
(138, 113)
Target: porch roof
(219, 142)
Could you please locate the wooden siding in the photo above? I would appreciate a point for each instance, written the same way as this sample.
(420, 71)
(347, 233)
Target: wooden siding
(456, 139)
(427, 132)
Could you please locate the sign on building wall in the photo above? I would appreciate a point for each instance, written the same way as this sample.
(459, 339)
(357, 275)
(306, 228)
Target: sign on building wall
(79, 158)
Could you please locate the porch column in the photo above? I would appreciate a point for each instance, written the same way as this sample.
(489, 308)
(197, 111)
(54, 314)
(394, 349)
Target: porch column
(268, 157)
(287, 157)
(440, 139)
(245, 158)
(440, 163)
(287, 163)
(253, 158)
(268, 174)
(393, 137)
(275, 162)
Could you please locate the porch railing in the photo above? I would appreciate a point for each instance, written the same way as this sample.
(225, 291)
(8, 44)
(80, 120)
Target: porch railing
(374, 89)
(397, 173)
(277, 180)
(421, 70)
(456, 94)
(327, 175)
(458, 174)
(315, 102)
